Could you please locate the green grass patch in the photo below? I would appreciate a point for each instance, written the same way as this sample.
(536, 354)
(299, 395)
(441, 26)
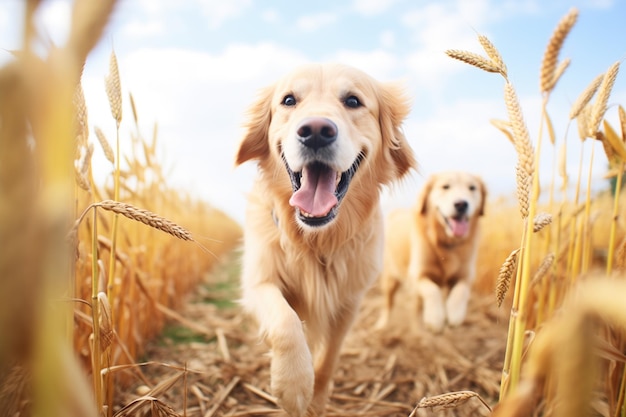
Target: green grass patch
(176, 334)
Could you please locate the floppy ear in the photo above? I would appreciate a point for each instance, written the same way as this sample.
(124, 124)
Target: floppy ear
(422, 198)
(394, 107)
(254, 144)
(483, 196)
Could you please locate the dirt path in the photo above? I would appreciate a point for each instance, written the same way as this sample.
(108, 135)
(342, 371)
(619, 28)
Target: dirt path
(381, 373)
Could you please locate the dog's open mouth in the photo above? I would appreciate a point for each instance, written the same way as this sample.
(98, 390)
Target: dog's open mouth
(318, 191)
(458, 226)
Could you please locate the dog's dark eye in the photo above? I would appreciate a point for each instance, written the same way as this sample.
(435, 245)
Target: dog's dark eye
(289, 100)
(352, 102)
(446, 186)
(472, 188)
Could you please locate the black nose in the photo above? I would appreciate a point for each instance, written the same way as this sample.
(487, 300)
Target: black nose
(461, 206)
(317, 132)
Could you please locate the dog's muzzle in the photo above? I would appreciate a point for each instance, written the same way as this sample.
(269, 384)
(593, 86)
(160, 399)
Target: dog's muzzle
(318, 189)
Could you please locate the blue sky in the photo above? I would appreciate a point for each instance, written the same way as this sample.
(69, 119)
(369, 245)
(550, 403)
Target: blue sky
(194, 67)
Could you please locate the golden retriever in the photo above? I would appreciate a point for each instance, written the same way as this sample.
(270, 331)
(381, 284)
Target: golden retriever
(326, 138)
(434, 245)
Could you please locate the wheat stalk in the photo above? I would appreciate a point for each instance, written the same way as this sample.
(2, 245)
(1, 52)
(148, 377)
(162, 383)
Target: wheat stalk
(504, 277)
(114, 89)
(474, 59)
(599, 107)
(551, 54)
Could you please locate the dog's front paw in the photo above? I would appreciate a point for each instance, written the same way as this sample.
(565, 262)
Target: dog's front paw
(434, 309)
(456, 304)
(434, 316)
(292, 379)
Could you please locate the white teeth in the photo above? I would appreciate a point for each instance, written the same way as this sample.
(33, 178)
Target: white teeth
(338, 179)
(310, 216)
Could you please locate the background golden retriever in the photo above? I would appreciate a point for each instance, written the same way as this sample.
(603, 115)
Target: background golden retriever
(434, 245)
(326, 137)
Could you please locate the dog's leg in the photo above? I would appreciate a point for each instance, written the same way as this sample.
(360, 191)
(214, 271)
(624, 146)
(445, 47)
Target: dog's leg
(434, 308)
(327, 357)
(456, 304)
(389, 286)
(292, 365)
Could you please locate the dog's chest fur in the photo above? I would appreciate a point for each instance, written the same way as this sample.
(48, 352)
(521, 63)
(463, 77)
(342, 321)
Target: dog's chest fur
(453, 262)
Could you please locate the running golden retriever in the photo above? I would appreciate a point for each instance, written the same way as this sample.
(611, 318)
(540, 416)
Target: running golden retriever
(326, 138)
(434, 246)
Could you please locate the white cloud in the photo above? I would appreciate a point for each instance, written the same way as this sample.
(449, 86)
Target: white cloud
(270, 16)
(387, 39)
(377, 63)
(437, 27)
(143, 28)
(313, 22)
(372, 7)
(217, 11)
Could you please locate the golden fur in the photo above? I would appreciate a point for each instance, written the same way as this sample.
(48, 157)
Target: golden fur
(303, 279)
(428, 246)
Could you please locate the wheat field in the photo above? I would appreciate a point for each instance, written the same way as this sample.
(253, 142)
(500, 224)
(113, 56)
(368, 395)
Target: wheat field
(93, 269)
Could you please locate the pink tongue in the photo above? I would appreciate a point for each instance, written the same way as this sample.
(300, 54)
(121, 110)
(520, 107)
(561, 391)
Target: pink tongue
(316, 195)
(459, 227)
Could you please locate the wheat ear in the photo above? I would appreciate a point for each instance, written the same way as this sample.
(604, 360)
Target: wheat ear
(504, 277)
(146, 217)
(504, 127)
(80, 107)
(622, 121)
(474, 59)
(582, 120)
(541, 220)
(450, 400)
(551, 55)
(585, 97)
(493, 54)
(558, 72)
(599, 107)
(114, 89)
(543, 268)
(523, 147)
(106, 147)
